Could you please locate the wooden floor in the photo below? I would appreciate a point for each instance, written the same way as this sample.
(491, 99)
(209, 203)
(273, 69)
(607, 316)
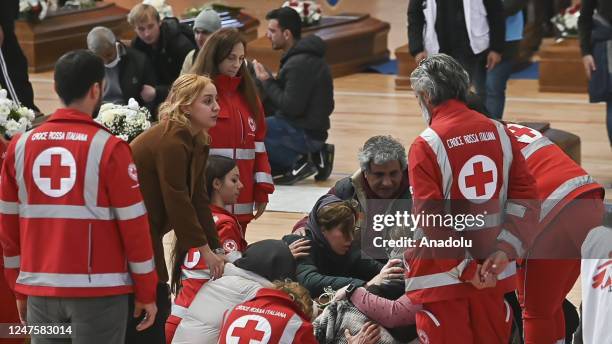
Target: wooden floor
(367, 105)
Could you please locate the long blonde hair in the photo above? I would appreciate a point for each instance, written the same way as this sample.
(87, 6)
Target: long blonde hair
(184, 91)
(299, 295)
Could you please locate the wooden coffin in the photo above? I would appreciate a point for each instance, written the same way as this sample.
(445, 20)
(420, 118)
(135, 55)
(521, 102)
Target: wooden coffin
(405, 65)
(354, 41)
(561, 68)
(43, 42)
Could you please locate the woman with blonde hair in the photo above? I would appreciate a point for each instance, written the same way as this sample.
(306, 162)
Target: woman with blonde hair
(280, 314)
(241, 129)
(170, 159)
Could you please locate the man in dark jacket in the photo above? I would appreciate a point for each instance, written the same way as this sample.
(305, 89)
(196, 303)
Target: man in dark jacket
(13, 63)
(441, 26)
(127, 73)
(302, 99)
(164, 42)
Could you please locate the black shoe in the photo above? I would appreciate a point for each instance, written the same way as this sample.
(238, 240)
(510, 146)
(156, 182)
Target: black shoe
(300, 171)
(324, 159)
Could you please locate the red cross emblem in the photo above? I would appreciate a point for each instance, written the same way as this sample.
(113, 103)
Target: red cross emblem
(603, 279)
(230, 245)
(54, 171)
(524, 134)
(478, 179)
(249, 329)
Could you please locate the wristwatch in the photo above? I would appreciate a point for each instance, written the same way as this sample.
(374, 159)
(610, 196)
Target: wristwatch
(349, 291)
(219, 250)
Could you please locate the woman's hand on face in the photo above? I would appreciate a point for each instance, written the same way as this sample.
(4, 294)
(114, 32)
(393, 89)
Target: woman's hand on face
(215, 262)
(300, 248)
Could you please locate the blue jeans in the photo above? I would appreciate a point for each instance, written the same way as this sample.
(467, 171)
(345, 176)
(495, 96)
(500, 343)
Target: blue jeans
(609, 120)
(497, 80)
(286, 144)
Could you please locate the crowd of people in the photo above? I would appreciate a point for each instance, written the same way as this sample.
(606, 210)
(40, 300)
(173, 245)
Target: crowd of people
(83, 213)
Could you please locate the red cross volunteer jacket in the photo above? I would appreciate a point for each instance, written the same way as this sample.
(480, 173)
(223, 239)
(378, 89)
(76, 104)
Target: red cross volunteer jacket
(239, 136)
(271, 317)
(195, 272)
(472, 162)
(558, 177)
(73, 223)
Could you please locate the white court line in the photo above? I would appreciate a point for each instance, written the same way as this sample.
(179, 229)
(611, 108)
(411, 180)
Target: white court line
(515, 99)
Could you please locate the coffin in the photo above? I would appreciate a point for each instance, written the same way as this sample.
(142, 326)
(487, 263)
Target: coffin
(354, 41)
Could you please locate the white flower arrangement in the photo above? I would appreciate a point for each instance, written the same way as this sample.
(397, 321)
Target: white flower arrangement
(162, 8)
(566, 22)
(124, 121)
(13, 117)
(309, 11)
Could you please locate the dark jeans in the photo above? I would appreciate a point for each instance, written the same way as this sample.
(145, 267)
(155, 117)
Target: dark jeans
(476, 66)
(286, 143)
(609, 120)
(497, 80)
(156, 334)
(94, 319)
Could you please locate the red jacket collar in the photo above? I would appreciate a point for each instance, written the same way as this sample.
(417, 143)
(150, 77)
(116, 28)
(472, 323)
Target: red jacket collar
(226, 83)
(449, 107)
(217, 209)
(281, 297)
(72, 115)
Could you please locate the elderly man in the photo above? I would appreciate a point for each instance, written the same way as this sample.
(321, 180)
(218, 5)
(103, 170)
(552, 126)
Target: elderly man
(127, 73)
(378, 186)
(465, 164)
(207, 22)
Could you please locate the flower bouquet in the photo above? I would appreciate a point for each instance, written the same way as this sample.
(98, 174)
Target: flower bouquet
(162, 8)
(566, 22)
(309, 11)
(13, 117)
(124, 121)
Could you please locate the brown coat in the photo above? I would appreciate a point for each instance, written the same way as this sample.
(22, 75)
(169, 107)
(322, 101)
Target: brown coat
(171, 170)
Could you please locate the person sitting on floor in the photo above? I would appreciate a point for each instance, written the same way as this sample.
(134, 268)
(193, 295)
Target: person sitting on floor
(381, 183)
(280, 314)
(333, 260)
(262, 262)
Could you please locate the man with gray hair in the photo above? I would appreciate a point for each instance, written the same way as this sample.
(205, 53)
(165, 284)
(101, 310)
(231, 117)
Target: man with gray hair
(128, 72)
(381, 182)
(465, 164)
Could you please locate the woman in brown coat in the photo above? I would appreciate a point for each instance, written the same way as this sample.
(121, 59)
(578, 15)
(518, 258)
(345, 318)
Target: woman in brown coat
(170, 159)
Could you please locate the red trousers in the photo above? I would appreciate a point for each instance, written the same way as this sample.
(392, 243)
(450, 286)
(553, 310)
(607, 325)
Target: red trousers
(481, 318)
(544, 283)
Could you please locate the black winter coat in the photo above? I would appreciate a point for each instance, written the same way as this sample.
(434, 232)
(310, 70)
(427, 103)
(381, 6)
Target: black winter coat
(135, 72)
(168, 56)
(9, 9)
(303, 91)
